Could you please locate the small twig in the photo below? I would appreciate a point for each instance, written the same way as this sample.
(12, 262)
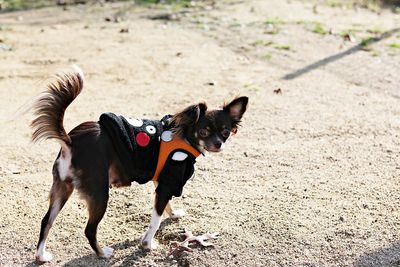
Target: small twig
(184, 245)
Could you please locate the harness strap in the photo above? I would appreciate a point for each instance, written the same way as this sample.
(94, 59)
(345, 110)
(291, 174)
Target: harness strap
(166, 148)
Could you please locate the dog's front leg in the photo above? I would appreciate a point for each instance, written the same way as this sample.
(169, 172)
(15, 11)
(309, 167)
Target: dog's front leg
(159, 206)
(172, 213)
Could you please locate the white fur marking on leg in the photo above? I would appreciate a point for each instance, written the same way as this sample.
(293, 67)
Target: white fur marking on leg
(55, 209)
(177, 214)
(41, 254)
(147, 240)
(107, 252)
(64, 164)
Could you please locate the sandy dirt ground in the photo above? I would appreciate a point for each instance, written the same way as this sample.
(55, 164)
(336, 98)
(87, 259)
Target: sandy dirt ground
(312, 177)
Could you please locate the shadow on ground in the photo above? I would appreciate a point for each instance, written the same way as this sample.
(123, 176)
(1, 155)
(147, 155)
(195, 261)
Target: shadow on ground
(385, 257)
(136, 254)
(330, 59)
(92, 258)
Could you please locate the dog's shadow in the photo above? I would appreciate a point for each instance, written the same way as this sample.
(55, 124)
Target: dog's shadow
(93, 260)
(131, 259)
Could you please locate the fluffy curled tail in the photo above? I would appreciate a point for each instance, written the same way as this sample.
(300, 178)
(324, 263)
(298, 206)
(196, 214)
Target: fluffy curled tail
(50, 106)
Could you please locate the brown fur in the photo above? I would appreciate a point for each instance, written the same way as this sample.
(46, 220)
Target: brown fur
(186, 119)
(89, 162)
(50, 107)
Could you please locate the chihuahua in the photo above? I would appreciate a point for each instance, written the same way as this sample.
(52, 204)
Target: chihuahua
(116, 151)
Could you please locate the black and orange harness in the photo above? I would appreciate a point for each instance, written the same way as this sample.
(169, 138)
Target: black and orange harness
(146, 148)
(167, 149)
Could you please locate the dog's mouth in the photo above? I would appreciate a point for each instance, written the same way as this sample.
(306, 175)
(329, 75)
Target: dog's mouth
(212, 149)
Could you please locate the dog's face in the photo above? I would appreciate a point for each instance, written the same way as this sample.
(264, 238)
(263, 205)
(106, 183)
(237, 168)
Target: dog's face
(209, 129)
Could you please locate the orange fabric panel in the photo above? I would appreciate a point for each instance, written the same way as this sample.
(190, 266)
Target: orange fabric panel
(165, 150)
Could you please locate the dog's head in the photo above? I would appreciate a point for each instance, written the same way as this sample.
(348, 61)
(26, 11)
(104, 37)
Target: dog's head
(209, 129)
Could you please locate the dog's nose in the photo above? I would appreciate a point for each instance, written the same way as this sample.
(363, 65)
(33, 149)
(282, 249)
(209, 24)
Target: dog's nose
(218, 145)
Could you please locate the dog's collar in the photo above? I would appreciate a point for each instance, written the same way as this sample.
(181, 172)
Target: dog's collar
(194, 145)
(165, 121)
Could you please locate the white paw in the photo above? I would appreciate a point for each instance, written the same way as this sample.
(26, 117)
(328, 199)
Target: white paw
(44, 257)
(107, 252)
(177, 214)
(149, 244)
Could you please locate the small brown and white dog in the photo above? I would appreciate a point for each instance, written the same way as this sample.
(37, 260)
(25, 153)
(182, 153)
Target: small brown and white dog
(91, 157)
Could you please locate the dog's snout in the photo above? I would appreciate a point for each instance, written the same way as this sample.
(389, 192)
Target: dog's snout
(218, 144)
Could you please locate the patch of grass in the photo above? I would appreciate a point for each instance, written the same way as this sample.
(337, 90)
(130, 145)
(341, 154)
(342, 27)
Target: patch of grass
(375, 53)
(168, 2)
(273, 25)
(373, 5)
(272, 30)
(275, 21)
(302, 22)
(366, 42)
(395, 45)
(313, 26)
(11, 5)
(4, 28)
(340, 4)
(267, 56)
(282, 47)
(333, 3)
(235, 25)
(263, 43)
(252, 87)
(319, 29)
(376, 30)
(175, 5)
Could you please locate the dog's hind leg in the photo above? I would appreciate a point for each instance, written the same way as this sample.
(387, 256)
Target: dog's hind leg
(174, 213)
(59, 194)
(97, 205)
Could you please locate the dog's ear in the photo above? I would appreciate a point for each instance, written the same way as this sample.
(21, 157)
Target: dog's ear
(194, 112)
(191, 114)
(236, 109)
(187, 118)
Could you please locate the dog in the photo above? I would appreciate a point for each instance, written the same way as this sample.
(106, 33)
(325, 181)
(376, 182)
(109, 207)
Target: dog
(116, 151)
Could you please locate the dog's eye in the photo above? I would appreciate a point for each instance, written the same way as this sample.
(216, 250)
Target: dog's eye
(225, 133)
(203, 132)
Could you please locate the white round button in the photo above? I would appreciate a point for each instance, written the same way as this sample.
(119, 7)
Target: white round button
(166, 136)
(135, 122)
(151, 129)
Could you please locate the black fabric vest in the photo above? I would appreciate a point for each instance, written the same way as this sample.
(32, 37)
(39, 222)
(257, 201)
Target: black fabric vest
(137, 144)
